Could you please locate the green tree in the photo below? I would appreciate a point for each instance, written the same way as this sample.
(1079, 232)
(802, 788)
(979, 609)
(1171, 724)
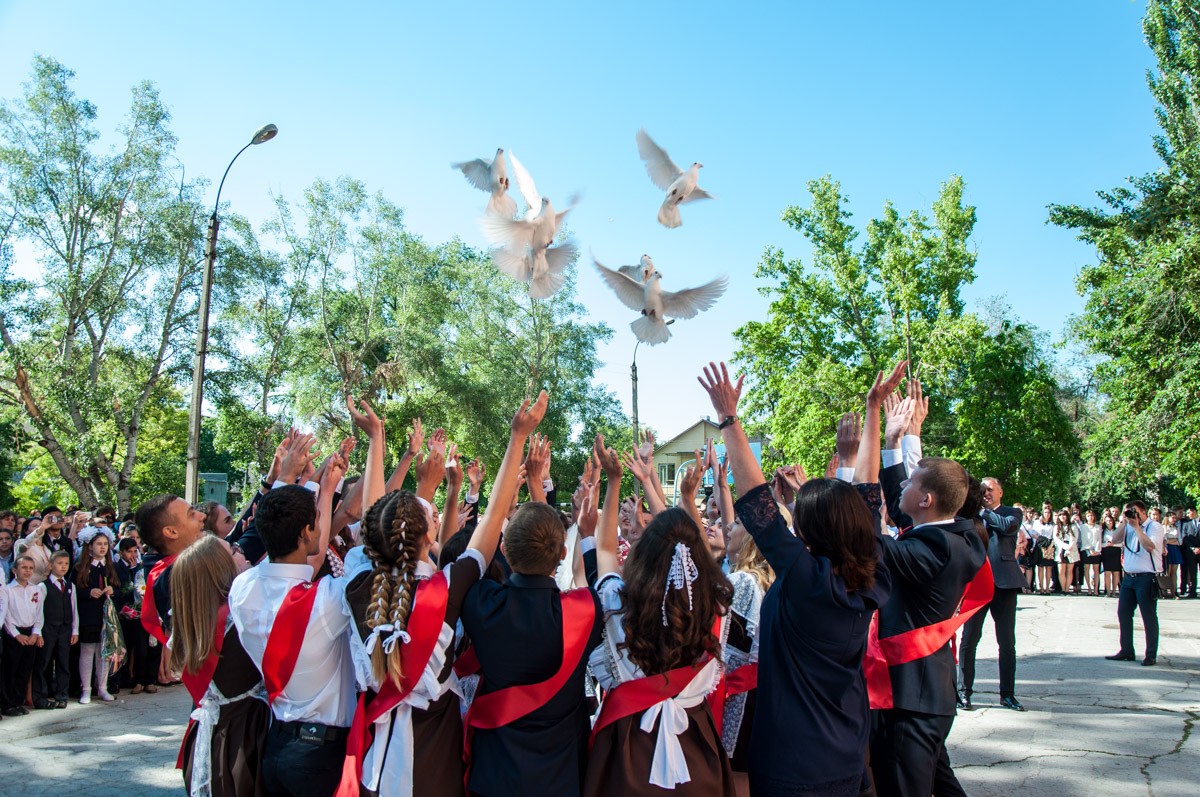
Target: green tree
(859, 308)
(88, 346)
(1141, 315)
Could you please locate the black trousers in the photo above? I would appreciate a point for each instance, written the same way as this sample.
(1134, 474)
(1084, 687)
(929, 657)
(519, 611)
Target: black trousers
(906, 747)
(52, 672)
(1138, 590)
(1003, 609)
(19, 661)
(1187, 572)
(301, 769)
(141, 665)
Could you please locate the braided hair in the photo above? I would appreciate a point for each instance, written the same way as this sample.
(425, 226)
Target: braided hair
(393, 531)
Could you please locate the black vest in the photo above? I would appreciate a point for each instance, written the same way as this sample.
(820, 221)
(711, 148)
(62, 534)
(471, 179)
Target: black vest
(56, 611)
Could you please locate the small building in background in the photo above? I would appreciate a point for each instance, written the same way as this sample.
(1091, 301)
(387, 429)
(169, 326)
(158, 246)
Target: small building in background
(673, 455)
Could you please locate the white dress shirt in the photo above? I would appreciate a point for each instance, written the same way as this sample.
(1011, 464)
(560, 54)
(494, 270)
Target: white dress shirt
(1137, 558)
(24, 607)
(321, 689)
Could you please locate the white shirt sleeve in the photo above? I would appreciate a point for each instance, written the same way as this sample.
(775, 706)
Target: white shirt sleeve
(40, 617)
(892, 456)
(74, 613)
(910, 446)
(845, 474)
(10, 627)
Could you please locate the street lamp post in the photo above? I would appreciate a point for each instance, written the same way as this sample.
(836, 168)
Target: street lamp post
(637, 486)
(192, 485)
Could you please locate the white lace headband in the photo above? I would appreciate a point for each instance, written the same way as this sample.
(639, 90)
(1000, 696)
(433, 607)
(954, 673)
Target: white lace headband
(429, 511)
(681, 575)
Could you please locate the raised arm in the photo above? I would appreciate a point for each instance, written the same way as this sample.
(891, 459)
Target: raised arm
(537, 464)
(431, 469)
(416, 440)
(721, 485)
(689, 486)
(372, 426)
(487, 533)
(454, 481)
(334, 470)
(607, 560)
(724, 395)
(643, 470)
(866, 469)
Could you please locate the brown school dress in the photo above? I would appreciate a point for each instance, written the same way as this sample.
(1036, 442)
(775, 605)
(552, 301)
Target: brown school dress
(437, 730)
(240, 735)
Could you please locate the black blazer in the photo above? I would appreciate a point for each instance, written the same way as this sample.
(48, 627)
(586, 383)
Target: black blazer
(516, 629)
(930, 566)
(1002, 524)
(890, 479)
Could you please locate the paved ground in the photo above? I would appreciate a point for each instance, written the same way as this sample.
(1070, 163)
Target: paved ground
(1093, 727)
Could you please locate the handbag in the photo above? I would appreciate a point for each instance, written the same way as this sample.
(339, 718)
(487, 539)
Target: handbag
(1165, 585)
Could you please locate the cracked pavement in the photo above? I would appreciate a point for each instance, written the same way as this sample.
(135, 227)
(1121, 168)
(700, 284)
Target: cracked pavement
(1091, 726)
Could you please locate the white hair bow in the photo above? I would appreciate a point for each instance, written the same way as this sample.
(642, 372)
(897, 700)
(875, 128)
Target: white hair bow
(681, 575)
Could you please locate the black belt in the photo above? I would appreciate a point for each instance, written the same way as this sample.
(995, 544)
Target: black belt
(311, 732)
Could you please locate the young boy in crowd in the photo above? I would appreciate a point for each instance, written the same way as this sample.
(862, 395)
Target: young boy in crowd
(60, 630)
(22, 635)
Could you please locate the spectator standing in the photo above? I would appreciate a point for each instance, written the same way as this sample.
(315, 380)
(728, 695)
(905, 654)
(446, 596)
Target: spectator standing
(22, 636)
(1142, 548)
(60, 630)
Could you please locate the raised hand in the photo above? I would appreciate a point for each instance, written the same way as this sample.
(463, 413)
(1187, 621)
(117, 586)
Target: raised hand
(438, 440)
(297, 458)
(537, 461)
(277, 461)
(475, 473)
(849, 432)
(690, 481)
(454, 471)
(334, 469)
(530, 415)
(898, 415)
(832, 466)
(366, 420)
(609, 462)
(920, 407)
(787, 481)
(640, 469)
(646, 449)
(416, 438)
(885, 387)
(723, 393)
(589, 514)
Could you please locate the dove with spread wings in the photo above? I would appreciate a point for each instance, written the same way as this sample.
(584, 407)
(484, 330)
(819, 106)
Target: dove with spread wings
(640, 288)
(680, 185)
(526, 252)
(493, 178)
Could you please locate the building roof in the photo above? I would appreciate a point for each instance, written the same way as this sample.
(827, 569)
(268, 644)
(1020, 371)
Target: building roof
(671, 445)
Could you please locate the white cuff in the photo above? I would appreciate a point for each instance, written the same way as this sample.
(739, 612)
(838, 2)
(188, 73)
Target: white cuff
(472, 498)
(845, 474)
(341, 484)
(279, 483)
(313, 488)
(587, 544)
(547, 485)
(892, 456)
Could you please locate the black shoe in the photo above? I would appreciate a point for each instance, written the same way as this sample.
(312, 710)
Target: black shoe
(44, 704)
(1011, 702)
(965, 704)
(60, 704)
(1121, 657)
(1149, 662)
(15, 711)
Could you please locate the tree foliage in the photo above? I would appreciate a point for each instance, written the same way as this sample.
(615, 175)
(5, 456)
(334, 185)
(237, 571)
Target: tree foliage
(857, 309)
(1141, 315)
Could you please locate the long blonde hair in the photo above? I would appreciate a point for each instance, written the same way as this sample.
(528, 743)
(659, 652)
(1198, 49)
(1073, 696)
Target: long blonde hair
(393, 531)
(200, 581)
(751, 560)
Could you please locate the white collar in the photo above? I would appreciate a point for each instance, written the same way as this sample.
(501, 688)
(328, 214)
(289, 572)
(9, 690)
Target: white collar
(271, 569)
(424, 569)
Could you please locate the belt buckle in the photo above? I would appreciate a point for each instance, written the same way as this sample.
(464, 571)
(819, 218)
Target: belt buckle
(311, 733)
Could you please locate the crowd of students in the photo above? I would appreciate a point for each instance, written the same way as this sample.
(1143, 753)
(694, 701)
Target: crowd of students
(348, 636)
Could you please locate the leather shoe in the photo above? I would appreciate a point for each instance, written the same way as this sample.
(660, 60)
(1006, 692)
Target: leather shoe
(44, 704)
(60, 704)
(1121, 657)
(1149, 662)
(964, 702)
(1011, 702)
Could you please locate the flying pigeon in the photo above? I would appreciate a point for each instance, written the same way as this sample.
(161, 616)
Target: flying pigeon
(656, 305)
(493, 178)
(680, 185)
(526, 253)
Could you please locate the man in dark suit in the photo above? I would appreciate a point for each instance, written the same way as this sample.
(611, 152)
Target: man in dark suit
(931, 565)
(1003, 524)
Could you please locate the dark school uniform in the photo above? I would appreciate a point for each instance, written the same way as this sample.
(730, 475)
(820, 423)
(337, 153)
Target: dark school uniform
(60, 621)
(516, 629)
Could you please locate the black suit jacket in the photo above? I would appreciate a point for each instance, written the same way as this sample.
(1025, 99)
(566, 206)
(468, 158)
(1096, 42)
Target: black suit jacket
(516, 629)
(890, 479)
(1003, 523)
(930, 565)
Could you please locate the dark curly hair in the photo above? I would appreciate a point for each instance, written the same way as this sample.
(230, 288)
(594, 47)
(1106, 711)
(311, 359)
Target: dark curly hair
(688, 633)
(835, 522)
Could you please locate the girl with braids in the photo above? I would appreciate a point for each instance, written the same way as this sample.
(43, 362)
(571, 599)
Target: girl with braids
(403, 614)
(223, 747)
(664, 619)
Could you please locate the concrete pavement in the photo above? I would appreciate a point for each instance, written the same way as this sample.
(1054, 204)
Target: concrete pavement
(1093, 727)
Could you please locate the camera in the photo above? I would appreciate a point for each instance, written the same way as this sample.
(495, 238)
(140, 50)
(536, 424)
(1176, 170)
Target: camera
(1131, 514)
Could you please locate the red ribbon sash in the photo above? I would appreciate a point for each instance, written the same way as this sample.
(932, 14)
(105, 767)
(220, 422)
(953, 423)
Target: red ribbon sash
(919, 642)
(197, 683)
(150, 619)
(733, 682)
(287, 637)
(466, 663)
(424, 627)
(634, 697)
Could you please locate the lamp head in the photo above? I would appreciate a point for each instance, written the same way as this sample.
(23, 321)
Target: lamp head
(264, 134)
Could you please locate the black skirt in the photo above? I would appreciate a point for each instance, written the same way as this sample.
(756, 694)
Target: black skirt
(1110, 558)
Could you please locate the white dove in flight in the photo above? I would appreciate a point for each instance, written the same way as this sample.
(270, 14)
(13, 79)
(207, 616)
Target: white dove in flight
(656, 305)
(680, 185)
(493, 178)
(526, 253)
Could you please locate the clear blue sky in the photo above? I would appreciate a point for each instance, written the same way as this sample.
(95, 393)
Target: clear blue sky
(1031, 102)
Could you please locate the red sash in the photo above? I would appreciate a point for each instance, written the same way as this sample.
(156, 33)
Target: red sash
(197, 683)
(466, 663)
(150, 619)
(733, 682)
(919, 642)
(634, 697)
(287, 637)
(424, 627)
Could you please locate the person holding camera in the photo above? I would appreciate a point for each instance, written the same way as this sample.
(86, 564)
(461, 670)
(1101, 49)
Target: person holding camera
(1142, 545)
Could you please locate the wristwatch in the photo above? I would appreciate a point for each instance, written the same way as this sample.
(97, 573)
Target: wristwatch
(729, 419)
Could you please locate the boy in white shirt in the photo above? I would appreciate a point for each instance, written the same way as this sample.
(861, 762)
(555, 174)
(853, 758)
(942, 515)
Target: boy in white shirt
(22, 635)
